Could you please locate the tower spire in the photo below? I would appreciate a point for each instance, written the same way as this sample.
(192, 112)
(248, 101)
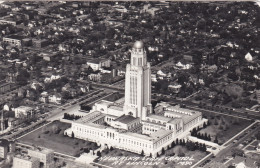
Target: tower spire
(138, 83)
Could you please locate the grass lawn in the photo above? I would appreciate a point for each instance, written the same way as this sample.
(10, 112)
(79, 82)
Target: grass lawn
(163, 162)
(224, 127)
(53, 138)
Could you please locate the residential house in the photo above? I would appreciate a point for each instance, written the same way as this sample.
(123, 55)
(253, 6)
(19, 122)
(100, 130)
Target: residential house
(12, 122)
(14, 40)
(248, 57)
(52, 78)
(96, 64)
(22, 111)
(175, 88)
(188, 58)
(8, 20)
(40, 43)
(44, 97)
(120, 72)
(4, 86)
(183, 66)
(55, 98)
(36, 85)
(154, 77)
(242, 162)
(49, 56)
(96, 77)
(161, 74)
(212, 69)
(84, 88)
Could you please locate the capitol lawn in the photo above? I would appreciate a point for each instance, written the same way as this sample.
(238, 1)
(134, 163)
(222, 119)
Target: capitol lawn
(224, 127)
(51, 137)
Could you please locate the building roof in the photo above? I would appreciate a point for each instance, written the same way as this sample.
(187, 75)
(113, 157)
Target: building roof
(96, 61)
(138, 45)
(119, 108)
(88, 117)
(160, 133)
(42, 150)
(4, 142)
(26, 157)
(15, 37)
(26, 108)
(125, 119)
(104, 102)
(136, 135)
(120, 101)
(158, 117)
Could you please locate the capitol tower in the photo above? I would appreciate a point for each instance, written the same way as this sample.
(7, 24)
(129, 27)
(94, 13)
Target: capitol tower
(138, 83)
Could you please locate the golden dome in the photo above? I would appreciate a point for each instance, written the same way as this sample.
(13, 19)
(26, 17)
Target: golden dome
(138, 45)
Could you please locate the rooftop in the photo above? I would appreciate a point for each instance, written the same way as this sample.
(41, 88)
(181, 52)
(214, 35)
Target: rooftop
(4, 142)
(25, 157)
(125, 119)
(43, 150)
(116, 108)
(140, 136)
(158, 117)
(120, 101)
(26, 108)
(138, 45)
(105, 103)
(15, 37)
(96, 61)
(160, 133)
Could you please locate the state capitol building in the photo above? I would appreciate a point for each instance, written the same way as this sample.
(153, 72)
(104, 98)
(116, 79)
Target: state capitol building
(130, 123)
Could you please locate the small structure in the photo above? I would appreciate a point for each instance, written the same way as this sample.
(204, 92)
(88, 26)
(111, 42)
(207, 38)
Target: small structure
(25, 162)
(14, 40)
(249, 57)
(23, 111)
(96, 64)
(44, 155)
(4, 148)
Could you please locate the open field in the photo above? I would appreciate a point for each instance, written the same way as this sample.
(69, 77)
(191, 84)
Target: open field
(51, 136)
(224, 127)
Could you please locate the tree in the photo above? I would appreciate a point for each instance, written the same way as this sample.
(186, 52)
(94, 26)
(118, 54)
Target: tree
(163, 151)
(72, 134)
(198, 136)
(204, 125)
(190, 145)
(142, 153)
(205, 136)
(237, 152)
(86, 150)
(209, 138)
(98, 153)
(173, 144)
(216, 139)
(181, 143)
(204, 148)
(55, 129)
(111, 148)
